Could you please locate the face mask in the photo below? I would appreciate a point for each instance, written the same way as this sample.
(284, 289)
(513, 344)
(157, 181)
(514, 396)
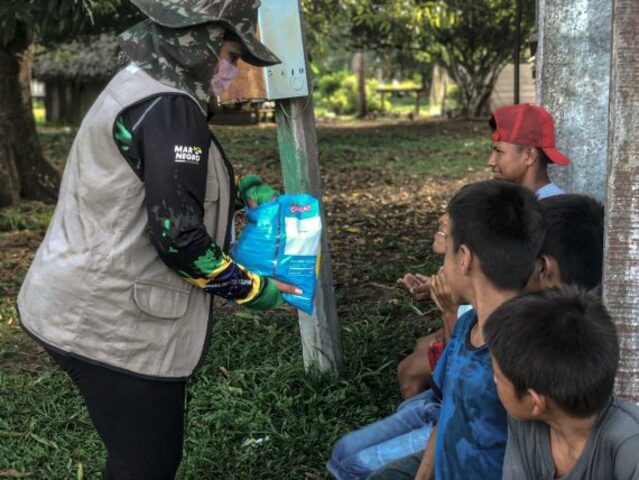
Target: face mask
(226, 73)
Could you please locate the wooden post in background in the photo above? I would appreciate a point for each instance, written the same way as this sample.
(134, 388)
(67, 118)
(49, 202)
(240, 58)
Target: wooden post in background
(621, 258)
(297, 139)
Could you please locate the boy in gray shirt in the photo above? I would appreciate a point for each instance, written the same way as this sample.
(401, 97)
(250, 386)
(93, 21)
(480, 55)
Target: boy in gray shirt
(555, 356)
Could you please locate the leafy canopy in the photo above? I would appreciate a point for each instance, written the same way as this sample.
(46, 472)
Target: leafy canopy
(60, 20)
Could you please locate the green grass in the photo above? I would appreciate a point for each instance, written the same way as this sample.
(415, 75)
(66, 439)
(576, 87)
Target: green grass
(56, 142)
(424, 148)
(27, 215)
(253, 412)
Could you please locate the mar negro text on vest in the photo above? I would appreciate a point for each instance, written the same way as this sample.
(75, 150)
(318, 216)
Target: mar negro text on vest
(186, 154)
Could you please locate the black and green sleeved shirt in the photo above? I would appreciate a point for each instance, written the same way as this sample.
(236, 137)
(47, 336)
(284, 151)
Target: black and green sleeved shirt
(165, 140)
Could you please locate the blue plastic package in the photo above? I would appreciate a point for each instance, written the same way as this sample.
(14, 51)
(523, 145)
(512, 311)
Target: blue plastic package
(282, 240)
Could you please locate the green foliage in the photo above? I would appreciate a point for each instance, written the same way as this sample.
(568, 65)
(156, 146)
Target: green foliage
(58, 20)
(337, 93)
(472, 39)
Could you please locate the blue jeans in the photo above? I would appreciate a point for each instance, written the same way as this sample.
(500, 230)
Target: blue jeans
(358, 454)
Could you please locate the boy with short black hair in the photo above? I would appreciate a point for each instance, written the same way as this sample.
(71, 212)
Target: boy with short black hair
(555, 356)
(496, 233)
(572, 252)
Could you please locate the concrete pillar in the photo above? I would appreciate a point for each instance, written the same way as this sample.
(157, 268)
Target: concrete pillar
(573, 78)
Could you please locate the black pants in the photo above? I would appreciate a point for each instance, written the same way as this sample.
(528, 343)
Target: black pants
(141, 422)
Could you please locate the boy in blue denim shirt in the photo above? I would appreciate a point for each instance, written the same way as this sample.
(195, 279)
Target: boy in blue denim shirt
(496, 234)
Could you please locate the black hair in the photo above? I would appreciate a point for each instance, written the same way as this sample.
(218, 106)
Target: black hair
(501, 223)
(542, 157)
(561, 343)
(575, 237)
(492, 123)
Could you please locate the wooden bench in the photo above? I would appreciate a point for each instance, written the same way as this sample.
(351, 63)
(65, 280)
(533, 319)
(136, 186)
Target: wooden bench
(393, 90)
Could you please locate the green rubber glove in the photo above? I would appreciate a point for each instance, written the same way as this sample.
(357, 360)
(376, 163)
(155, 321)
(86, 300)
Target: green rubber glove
(269, 297)
(251, 187)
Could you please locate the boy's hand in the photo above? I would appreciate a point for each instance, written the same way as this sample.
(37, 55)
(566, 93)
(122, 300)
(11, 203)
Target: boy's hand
(440, 293)
(418, 285)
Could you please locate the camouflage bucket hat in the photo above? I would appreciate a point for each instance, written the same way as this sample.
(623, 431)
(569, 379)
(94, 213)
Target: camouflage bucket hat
(238, 16)
(184, 58)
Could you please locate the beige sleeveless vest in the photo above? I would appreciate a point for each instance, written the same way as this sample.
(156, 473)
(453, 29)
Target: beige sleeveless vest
(97, 287)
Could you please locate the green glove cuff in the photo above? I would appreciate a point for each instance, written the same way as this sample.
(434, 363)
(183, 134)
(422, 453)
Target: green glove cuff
(253, 188)
(269, 297)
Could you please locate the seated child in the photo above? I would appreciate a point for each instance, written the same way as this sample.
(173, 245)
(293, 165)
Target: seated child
(415, 370)
(572, 254)
(523, 147)
(362, 451)
(486, 220)
(555, 355)
(496, 233)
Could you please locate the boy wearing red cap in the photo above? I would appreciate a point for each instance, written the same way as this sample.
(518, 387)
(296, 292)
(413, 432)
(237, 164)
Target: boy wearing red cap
(523, 146)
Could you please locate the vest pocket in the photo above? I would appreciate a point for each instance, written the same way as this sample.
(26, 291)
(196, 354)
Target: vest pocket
(161, 300)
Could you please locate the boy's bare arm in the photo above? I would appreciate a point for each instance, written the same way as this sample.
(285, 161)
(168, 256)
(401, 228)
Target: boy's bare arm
(427, 467)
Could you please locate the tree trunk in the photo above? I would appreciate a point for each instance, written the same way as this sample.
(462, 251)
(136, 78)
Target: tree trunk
(30, 175)
(427, 79)
(475, 80)
(621, 282)
(362, 101)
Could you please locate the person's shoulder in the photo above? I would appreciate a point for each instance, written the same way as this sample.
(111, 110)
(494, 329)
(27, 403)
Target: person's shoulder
(620, 421)
(549, 190)
(624, 411)
(180, 102)
(173, 110)
(463, 323)
(465, 320)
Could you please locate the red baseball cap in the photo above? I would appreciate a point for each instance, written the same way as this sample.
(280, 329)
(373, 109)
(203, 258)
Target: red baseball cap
(527, 125)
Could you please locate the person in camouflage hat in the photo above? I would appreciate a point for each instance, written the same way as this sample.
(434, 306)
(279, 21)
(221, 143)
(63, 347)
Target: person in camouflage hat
(120, 291)
(180, 42)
